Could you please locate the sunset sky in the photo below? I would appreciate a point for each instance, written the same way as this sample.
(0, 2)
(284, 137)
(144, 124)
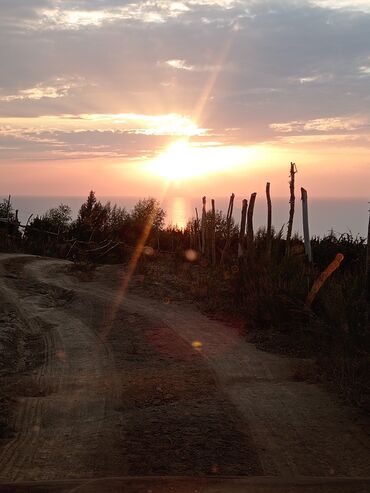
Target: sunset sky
(212, 96)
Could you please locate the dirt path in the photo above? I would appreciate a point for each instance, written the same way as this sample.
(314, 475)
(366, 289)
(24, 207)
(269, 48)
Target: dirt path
(140, 401)
(60, 393)
(297, 428)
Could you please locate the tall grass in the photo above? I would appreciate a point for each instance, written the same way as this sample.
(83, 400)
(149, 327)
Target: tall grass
(335, 331)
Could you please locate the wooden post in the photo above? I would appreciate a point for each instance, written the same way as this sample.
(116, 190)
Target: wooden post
(306, 229)
(213, 233)
(322, 279)
(269, 219)
(197, 231)
(8, 208)
(293, 171)
(250, 234)
(242, 228)
(368, 261)
(204, 225)
(228, 227)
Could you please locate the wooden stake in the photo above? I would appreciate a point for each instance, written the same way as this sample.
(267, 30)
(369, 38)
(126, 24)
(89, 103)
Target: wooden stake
(228, 227)
(213, 233)
(8, 208)
(293, 171)
(204, 225)
(242, 228)
(197, 232)
(322, 279)
(368, 261)
(250, 234)
(269, 219)
(306, 229)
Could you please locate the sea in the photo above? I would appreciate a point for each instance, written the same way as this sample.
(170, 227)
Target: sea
(341, 215)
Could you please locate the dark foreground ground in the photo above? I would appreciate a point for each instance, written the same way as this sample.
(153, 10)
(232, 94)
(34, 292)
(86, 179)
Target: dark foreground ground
(200, 485)
(100, 383)
(91, 394)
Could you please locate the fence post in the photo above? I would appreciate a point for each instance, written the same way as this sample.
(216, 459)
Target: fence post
(250, 234)
(198, 241)
(213, 233)
(368, 261)
(228, 227)
(306, 229)
(204, 225)
(293, 171)
(320, 281)
(269, 219)
(8, 205)
(242, 228)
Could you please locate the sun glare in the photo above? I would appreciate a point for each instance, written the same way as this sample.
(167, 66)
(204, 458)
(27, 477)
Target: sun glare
(176, 162)
(183, 160)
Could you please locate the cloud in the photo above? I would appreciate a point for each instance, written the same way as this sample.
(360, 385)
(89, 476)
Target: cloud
(265, 69)
(56, 88)
(94, 135)
(323, 125)
(362, 5)
(168, 124)
(58, 145)
(179, 64)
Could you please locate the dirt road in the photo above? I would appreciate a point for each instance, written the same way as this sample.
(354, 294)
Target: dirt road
(158, 388)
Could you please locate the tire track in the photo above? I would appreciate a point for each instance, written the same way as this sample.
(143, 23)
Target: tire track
(64, 423)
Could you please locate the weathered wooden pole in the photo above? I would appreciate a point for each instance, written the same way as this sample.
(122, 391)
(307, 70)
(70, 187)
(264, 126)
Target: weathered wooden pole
(8, 205)
(306, 228)
(204, 225)
(293, 171)
(250, 233)
(242, 228)
(269, 219)
(228, 227)
(368, 261)
(197, 231)
(213, 233)
(320, 281)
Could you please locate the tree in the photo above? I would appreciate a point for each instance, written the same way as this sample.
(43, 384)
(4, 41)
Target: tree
(93, 219)
(117, 220)
(60, 217)
(55, 220)
(148, 211)
(6, 210)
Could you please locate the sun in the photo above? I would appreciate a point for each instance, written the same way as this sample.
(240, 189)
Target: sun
(176, 163)
(184, 160)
